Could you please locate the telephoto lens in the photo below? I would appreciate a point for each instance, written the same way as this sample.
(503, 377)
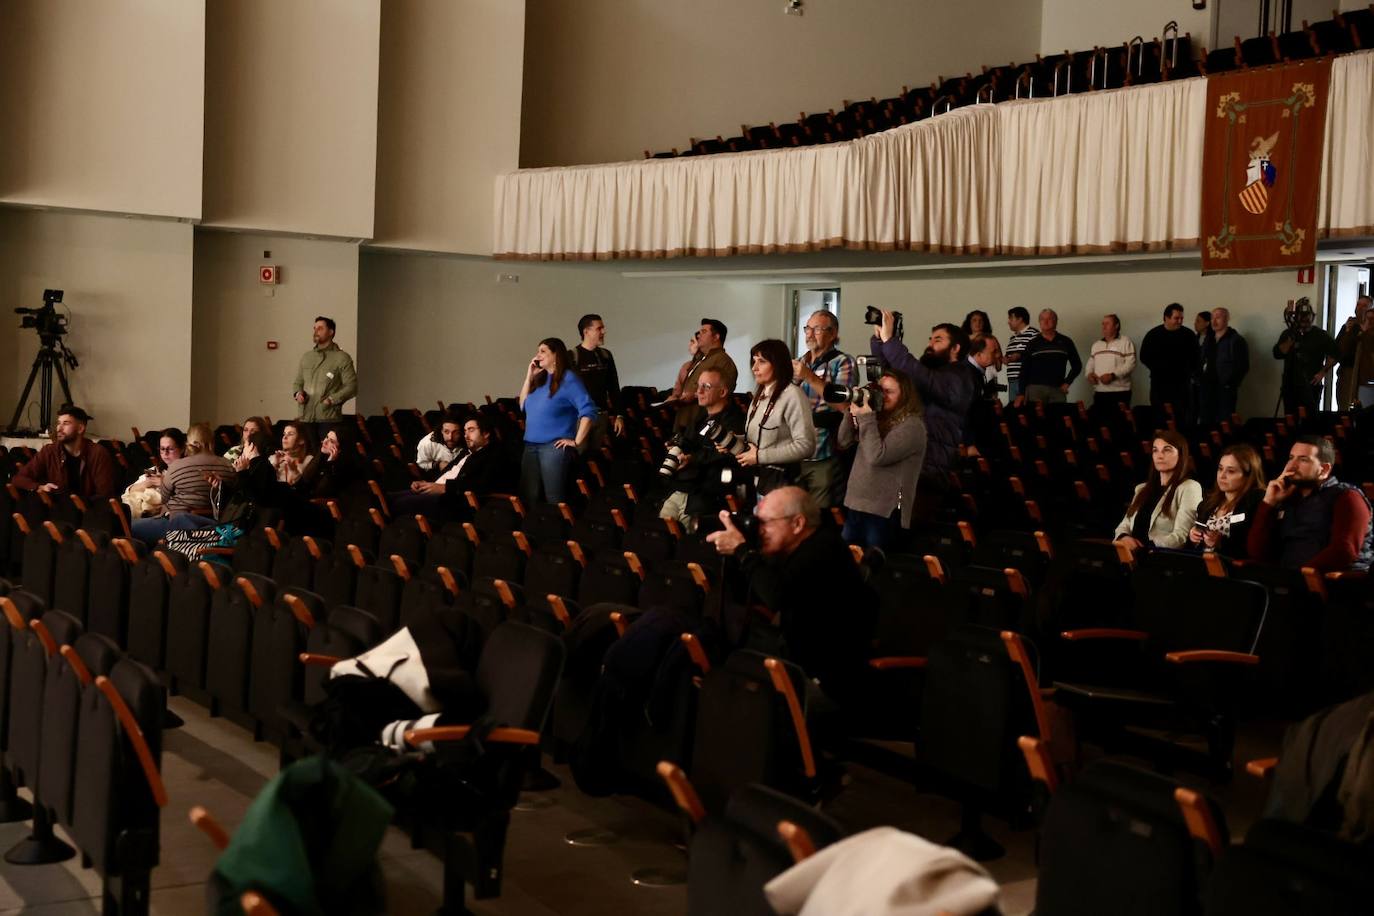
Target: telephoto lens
(863, 395)
(733, 443)
(671, 461)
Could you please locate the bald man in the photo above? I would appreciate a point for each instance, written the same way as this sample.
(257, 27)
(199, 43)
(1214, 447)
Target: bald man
(823, 610)
(1225, 361)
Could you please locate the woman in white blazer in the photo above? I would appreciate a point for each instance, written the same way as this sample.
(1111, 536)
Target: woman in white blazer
(1164, 507)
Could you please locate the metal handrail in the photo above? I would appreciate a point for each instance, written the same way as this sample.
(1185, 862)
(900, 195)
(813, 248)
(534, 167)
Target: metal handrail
(1028, 78)
(949, 103)
(1173, 49)
(1068, 80)
(1136, 43)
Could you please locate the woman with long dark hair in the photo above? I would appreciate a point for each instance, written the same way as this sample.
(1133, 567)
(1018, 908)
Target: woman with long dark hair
(977, 323)
(558, 419)
(295, 462)
(892, 444)
(1224, 518)
(1163, 509)
(778, 428)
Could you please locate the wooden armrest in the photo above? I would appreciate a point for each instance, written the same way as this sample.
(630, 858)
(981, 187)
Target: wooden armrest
(935, 569)
(1198, 816)
(166, 563)
(376, 489)
(118, 509)
(135, 736)
(207, 824)
(857, 553)
(636, 567)
(249, 590)
(1016, 650)
(398, 563)
(782, 683)
(425, 528)
(1212, 655)
(11, 612)
(1017, 582)
(87, 541)
(1104, 633)
(21, 523)
(503, 591)
(699, 576)
(299, 610)
(1262, 768)
(799, 842)
(470, 530)
(1124, 554)
(1042, 540)
(273, 537)
(355, 553)
(450, 581)
(682, 790)
(1038, 761)
(560, 609)
(696, 652)
(1215, 567)
(44, 636)
(312, 547)
(417, 736)
(890, 662)
(334, 511)
(620, 623)
(126, 550)
(575, 551)
(619, 518)
(211, 576)
(83, 674)
(217, 551)
(321, 661)
(1315, 583)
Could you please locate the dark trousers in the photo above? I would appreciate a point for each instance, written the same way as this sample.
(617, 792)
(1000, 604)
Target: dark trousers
(1107, 400)
(1218, 402)
(1302, 395)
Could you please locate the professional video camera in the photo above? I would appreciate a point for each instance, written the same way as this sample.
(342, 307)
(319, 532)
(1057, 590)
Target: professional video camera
(874, 316)
(870, 369)
(46, 320)
(1298, 316)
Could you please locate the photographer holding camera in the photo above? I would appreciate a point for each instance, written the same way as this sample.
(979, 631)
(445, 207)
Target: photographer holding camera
(1307, 353)
(891, 434)
(692, 453)
(947, 385)
(823, 612)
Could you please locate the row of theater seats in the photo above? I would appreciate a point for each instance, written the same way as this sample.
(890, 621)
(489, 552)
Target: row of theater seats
(1133, 63)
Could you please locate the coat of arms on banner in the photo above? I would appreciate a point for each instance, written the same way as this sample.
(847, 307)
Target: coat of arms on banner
(1262, 167)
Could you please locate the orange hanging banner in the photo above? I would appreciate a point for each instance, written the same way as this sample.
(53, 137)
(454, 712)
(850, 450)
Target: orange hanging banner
(1261, 167)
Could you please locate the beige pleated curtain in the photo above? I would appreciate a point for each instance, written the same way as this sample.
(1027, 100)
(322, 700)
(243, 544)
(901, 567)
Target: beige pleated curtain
(1095, 172)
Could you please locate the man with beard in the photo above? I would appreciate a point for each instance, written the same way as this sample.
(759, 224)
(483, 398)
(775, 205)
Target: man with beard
(948, 386)
(1309, 518)
(71, 464)
(1307, 354)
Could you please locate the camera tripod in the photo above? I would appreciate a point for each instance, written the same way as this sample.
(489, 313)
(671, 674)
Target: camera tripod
(50, 358)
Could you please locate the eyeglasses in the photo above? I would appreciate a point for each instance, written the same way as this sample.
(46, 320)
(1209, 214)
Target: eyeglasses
(815, 329)
(164, 449)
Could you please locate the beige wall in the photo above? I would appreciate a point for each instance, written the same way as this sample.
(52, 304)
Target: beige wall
(1077, 25)
(1136, 293)
(128, 289)
(604, 79)
(444, 328)
(234, 374)
(448, 119)
(100, 104)
(291, 115)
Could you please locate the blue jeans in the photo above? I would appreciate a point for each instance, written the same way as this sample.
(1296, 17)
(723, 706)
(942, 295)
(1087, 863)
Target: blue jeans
(545, 467)
(152, 530)
(867, 529)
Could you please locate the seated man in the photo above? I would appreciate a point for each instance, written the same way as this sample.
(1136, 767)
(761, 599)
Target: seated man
(1309, 518)
(716, 409)
(807, 577)
(70, 463)
(438, 450)
(477, 468)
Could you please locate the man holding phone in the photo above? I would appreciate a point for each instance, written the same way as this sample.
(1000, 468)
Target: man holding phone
(1309, 518)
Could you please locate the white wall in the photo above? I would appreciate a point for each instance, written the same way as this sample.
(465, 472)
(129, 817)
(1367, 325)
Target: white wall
(234, 374)
(101, 104)
(291, 115)
(1136, 293)
(448, 120)
(605, 79)
(1077, 25)
(444, 328)
(128, 288)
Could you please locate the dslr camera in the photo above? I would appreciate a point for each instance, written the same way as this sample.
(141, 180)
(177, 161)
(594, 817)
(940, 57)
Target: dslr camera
(870, 369)
(673, 460)
(874, 316)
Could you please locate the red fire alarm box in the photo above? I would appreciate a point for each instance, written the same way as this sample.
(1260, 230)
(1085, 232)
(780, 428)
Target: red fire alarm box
(267, 274)
(1307, 274)
(271, 345)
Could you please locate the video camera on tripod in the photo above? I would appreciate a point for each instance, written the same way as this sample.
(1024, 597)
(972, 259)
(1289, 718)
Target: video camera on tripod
(51, 326)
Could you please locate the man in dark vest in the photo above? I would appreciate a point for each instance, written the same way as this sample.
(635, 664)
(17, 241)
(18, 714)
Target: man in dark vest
(1309, 518)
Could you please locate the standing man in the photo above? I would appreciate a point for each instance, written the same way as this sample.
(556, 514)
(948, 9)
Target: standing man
(1110, 364)
(70, 463)
(822, 364)
(1347, 342)
(984, 355)
(1170, 352)
(1225, 361)
(596, 367)
(1018, 320)
(710, 355)
(1357, 365)
(948, 386)
(1050, 362)
(324, 381)
(1307, 353)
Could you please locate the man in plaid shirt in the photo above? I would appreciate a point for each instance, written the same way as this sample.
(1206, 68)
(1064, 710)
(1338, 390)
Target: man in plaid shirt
(822, 364)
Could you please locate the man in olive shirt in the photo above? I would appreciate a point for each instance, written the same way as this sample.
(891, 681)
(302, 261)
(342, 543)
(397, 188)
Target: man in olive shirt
(325, 379)
(710, 355)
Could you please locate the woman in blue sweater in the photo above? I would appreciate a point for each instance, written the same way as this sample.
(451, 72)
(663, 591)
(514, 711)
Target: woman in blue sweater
(558, 417)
